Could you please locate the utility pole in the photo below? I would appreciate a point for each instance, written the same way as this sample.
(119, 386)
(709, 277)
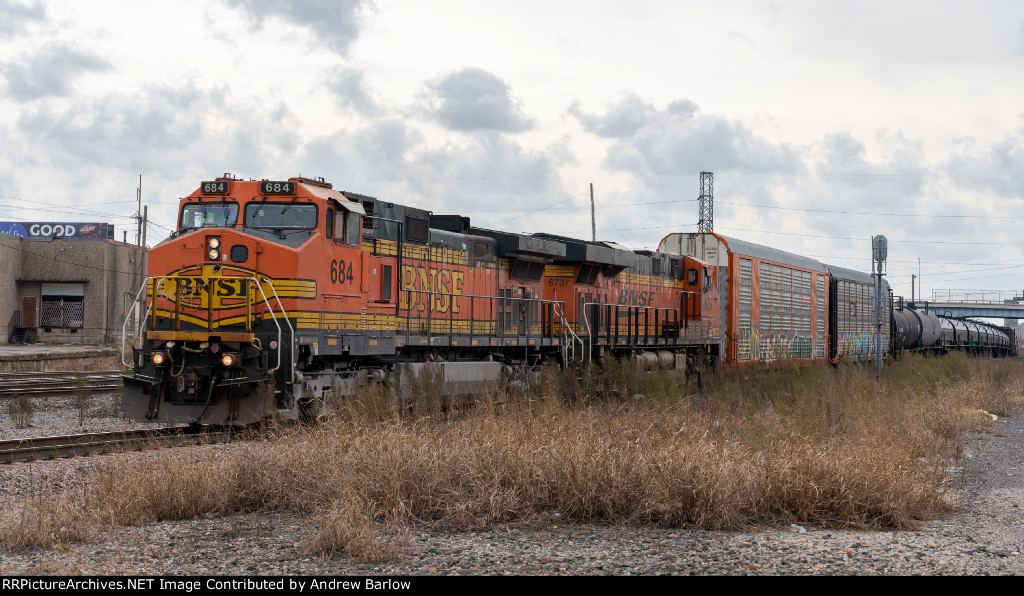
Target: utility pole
(145, 221)
(593, 221)
(138, 212)
(706, 223)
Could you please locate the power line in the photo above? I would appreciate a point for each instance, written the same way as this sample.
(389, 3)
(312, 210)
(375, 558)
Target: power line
(534, 211)
(865, 238)
(875, 214)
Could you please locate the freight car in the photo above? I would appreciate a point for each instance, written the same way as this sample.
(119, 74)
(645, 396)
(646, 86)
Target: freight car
(776, 302)
(780, 305)
(853, 324)
(273, 297)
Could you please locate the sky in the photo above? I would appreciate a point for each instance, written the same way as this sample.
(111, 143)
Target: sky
(825, 122)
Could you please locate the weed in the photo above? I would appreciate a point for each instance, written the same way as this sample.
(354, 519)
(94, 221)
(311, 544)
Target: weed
(21, 410)
(817, 445)
(83, 398)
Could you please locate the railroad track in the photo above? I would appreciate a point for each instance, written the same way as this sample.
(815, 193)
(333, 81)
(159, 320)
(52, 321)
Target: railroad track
(58, 447)
(54, 383)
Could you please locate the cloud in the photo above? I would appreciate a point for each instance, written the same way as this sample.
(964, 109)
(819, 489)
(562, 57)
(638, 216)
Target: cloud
(679, 139)
(15, 15)
(51, 72)
(901, 168)
(496, 181)
(996, 167)
(1020, 37)
(350, 90)
(621, 119)
(335, 22)
(485, 177)
(160, 129)
(474, 99)
(373, 152)
(661, 152)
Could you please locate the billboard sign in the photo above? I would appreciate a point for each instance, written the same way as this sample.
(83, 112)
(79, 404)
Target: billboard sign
(48, 230)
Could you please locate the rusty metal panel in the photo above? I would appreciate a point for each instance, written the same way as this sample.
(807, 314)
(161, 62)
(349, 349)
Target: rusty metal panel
(28, 311)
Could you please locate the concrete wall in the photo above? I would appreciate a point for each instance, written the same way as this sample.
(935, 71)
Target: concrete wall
(38, 358)
(106, 269)
(10, 270)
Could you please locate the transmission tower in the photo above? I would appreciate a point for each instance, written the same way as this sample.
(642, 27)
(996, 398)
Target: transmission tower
(706, 223)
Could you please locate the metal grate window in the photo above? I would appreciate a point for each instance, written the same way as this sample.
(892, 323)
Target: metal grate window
(62, 311)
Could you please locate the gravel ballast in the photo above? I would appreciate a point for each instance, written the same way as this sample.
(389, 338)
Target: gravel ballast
(986, 537)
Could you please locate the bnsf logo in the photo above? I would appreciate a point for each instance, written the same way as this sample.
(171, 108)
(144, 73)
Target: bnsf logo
(635, 298)
(424, 280)
(222, 288)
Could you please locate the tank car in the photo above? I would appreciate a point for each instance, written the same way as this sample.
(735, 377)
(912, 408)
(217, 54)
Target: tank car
(917, 330)
(272, 298)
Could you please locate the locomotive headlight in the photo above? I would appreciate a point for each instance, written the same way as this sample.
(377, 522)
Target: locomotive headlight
(231, 360)
(213, 248)
(159, 358)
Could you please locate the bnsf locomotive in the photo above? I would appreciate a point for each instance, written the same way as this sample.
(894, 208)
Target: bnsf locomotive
(273, 297)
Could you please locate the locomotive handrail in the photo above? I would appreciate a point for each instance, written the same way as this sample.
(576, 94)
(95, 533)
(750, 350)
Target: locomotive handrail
(127, 317)
(177, 301)
(472, 297)
(566, 326)
(646, 309)
(291, 329)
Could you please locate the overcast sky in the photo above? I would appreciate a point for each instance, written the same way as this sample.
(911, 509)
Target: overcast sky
(824, 122)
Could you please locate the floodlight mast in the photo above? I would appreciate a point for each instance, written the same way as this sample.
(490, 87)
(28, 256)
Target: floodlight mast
(706, 202)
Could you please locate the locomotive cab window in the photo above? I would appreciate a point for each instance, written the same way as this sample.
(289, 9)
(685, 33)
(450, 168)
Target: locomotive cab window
(691, 277)
(709, 281)
(355, 230)
(209, 215)
(348, 226)
(287, 216)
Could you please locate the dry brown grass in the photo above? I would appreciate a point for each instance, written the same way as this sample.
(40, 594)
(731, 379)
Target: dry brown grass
(811, 444)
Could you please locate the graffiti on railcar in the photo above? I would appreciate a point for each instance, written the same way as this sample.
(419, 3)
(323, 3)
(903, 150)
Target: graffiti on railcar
(768, 347)
(859, 346)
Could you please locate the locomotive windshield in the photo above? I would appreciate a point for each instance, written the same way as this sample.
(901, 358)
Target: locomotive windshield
(209, 215)
(280, 216)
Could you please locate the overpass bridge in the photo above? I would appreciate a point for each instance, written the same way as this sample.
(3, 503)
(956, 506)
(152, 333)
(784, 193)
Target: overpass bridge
(975, 303)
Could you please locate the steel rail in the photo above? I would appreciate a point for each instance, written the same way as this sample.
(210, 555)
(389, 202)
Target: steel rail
(59, 447)
(33, 383)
